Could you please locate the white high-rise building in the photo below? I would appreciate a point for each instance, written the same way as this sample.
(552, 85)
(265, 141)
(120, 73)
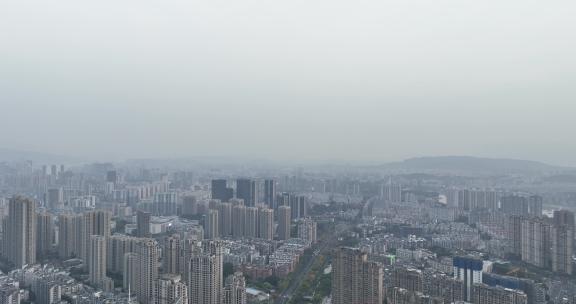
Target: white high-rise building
(205, 274)
(225, 219)
(238, 220)
(171, 252)
(129, 273)
(44, 233)
(170, 290)
(117, 247)
(67, 246)
(165, 203)
(97, 260)
(235, 289)
(212, 225)
(266, 223)
(91, 223)
(284, 220)
(146, 270)
(355, 279)
(391, 192)
(20, 232)
(307, 230)
(251, 222)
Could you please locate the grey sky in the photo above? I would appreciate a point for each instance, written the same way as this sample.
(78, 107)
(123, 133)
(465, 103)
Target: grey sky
(357, 80)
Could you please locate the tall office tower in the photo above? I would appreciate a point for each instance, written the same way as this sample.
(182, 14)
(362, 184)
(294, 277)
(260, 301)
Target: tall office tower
(97, 260)
(143, 224)
(225, 217)
(484, 294)
(255, 189)
(408, 278)
(251, 222)
(189, 205)
(235, 289)
(146, 270)
(44, 233)
(562, 239)
(170, 290)
(246, 190)
(53, 170)
(171, 255)
(221, 191)
(266, 223)
(298, 206)
(307, 230)
(211, 225)
(303, 206)
(20, 232)
(270, 193)
(117, 247)
(392, 192)
(238, 220)
(91, 223)
(55, 198)
(515, 234)
(205, 275)
(165, 203)
(469, 270)
(564, 217)
(284, 220)
(294, 207)
(355, 279)
(67, 246)
(129, 271)
(536, 242)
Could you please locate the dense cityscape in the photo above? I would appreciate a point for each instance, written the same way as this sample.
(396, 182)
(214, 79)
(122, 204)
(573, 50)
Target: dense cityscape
(156, 232)
(287, 152)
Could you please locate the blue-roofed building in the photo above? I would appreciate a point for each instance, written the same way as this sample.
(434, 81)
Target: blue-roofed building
(469, 270)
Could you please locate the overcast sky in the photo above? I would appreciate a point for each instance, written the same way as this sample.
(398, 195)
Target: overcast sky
(300, 79)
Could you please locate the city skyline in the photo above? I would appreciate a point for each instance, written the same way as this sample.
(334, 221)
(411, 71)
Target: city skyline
(287, 152)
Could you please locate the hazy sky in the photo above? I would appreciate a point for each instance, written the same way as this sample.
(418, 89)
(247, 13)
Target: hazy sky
(355, 80)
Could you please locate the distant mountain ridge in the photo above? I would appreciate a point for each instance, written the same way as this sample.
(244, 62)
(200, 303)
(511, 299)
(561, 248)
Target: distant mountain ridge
(474, 164)
(430, 164)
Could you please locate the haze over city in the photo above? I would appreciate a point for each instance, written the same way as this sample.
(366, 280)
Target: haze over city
(356, 81)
